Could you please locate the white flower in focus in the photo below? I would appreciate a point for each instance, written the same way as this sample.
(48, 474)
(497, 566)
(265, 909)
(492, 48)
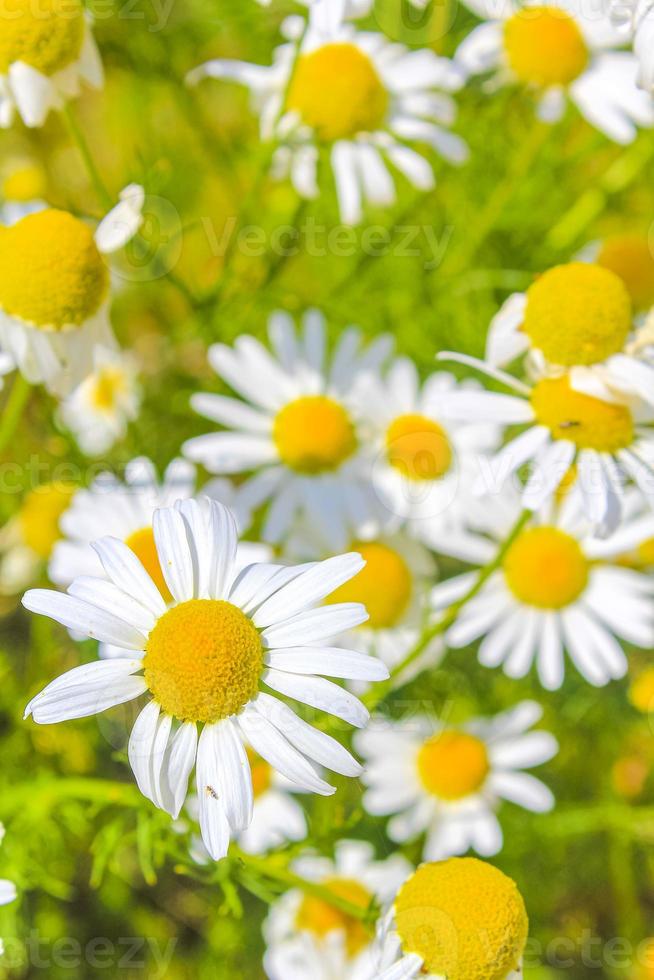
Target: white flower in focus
(556, 591)
(447, 781)
(99, 410)
(201, 658)
(307, 937)
(46, 52)
(457, 918)
(563, 50)
(294, 429)
(363, 98)
(54, 292)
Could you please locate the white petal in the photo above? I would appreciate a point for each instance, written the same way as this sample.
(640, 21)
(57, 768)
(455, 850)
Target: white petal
(235, 775)
(87, 690)
(274, 748)
(316, 625)
(309, 588)
(319, 693)
(214, 826)
(330, 661)
(170, 536)
(523, 789)
(180, 764)
(126, 571)
(123, 221)
(84, 618)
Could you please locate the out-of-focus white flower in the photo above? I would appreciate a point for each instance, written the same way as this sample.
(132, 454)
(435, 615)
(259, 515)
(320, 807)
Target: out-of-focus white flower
(46, 52)
(27, 540)
(54, 292)
(99, 410)
(363, 98)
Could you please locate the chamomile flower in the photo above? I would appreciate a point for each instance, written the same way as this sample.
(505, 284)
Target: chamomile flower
(277, 817)
(556, 591)
(99, 409)
(54, 291)
(7, 890)
(307, 937)
(607, 442)
(460, 919)
(578, 319)
(422, 462)
(296, 428)
(22, 190)
(29, 537)
(46, 52)
(562, 52)
(358, 97)
(447, 781)
(201, 657)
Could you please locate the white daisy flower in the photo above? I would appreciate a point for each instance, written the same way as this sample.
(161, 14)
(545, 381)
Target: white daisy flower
(46, 53)
(277, 817)
(564, 51)
(27, 540)
(7, 890)
(423, 462)
(307, 937)
(608, 442)
(54, 291)
(578, 319)
(447, 781)
(296, 427)
(201, 659)
(456, 918)
(22, 190)
(99, 410)
(556, 591)
(382, 99)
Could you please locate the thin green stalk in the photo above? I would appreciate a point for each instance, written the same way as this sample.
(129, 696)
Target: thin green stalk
(13, 410)
(379, 692)
(79, 139)
(268, 868)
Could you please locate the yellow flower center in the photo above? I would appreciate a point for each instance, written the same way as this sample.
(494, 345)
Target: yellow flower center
(464, 918)
(545, 567)
(641, 691)
(51, 273)
(452, 765)
(630, 257)
(320, 918)
(48, 35)
(39, 516)
(578, 314)
(314, 434)
(203, 660)
(144, 547)
(336, 90)
(24, 184)
(384, 585)
(108, 387)
(588, 422)
(645, 553)
(544, 46)
(418, 447)
(261, 774)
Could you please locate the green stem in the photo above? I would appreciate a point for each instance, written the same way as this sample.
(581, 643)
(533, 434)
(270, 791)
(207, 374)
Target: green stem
(79, 139)
(379, 692)
(13, 411)
(268, 868)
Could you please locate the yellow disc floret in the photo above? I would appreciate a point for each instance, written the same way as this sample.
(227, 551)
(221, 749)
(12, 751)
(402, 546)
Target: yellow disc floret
(51, 273)
(578, 314)
(203, 660)
(464, 918)
(47, 35)
(39, 515)
(320, 917)
(544, 46)
(24, 183)
(418, 447)
(144, 547)
(108, 386)
(545, 567)
(641, 691)
(336, 90)
(630, 257)
(314, 434)
(384, 585)
(588, 422)
(452, 765)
